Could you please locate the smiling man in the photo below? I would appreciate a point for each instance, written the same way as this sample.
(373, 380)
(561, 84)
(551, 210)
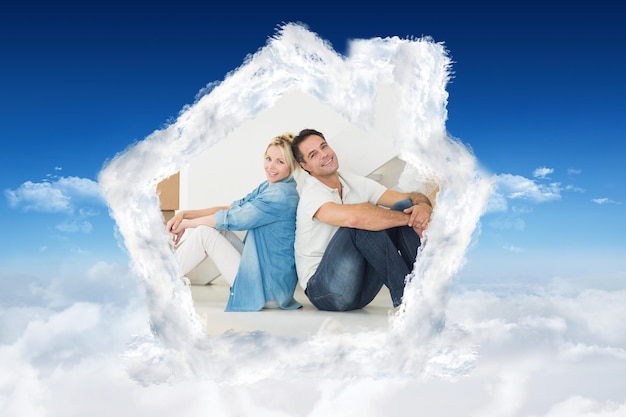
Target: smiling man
(353, 235)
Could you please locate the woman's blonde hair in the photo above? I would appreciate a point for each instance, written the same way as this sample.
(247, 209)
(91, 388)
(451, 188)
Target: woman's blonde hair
(284, 143)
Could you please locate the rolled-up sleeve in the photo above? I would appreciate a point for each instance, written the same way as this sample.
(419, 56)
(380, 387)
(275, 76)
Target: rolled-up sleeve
(264, 206)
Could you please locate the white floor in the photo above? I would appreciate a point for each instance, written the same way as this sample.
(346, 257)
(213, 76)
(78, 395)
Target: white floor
(210, 301)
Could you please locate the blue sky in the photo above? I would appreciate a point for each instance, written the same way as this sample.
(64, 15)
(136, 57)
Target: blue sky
(534, 87)
(537, 94)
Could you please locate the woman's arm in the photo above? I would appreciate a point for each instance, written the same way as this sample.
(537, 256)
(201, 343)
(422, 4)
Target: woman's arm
(192, 218)
(267, 204)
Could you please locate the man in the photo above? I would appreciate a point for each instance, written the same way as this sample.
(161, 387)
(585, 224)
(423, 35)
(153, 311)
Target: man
(348, 242)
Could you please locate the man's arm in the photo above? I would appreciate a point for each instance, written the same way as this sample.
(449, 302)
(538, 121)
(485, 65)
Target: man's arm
(364, 216)
(419, 213)
(390, 197)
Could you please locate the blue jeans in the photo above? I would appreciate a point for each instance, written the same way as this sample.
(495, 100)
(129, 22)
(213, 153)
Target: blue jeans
(357, 263)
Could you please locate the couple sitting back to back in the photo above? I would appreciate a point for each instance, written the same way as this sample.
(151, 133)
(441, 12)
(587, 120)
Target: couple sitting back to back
(345, 235)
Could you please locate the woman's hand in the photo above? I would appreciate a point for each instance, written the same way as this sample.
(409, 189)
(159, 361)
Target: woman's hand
(175, 227)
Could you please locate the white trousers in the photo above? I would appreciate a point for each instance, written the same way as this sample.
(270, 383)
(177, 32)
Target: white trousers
(202, 242)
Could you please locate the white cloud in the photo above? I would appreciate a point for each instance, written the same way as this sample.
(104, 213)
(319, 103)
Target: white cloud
(521, 189)
(518, 187)
(601, 200)
(105, 282)
(573, 171)
(575, 188)
(579, 406)
(542, 172)
(60, 337)
(71, 227)
(39, 197)
(80, 188)
(539, 355)
(514, 249)
(60, 195)
(589, 316)
(604, 200)
(580, 351)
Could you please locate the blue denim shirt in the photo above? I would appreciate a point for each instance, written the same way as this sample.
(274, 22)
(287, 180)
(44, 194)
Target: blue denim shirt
(267, 270)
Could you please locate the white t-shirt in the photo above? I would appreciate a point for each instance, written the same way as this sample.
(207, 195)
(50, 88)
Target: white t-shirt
(312, 235)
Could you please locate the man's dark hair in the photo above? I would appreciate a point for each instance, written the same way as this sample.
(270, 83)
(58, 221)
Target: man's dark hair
(295, 144)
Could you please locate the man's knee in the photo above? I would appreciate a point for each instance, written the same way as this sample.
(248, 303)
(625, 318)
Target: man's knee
(332, 302)
(337, 291)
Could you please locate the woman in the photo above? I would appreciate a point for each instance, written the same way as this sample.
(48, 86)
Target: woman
(260, 269)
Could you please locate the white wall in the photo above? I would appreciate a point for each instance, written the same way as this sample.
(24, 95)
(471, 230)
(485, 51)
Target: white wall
(233, 167)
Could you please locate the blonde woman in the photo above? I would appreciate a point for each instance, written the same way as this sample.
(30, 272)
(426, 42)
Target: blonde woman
(260, 269)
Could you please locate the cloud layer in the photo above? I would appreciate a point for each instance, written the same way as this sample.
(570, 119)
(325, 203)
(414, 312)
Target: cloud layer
(553, 353)
(113, 340)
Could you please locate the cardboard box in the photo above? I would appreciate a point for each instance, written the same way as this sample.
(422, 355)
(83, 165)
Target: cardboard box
(167, 215)
(168, 191)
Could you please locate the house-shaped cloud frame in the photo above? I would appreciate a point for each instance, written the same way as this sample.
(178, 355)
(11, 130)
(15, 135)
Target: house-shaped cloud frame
(407, 77)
